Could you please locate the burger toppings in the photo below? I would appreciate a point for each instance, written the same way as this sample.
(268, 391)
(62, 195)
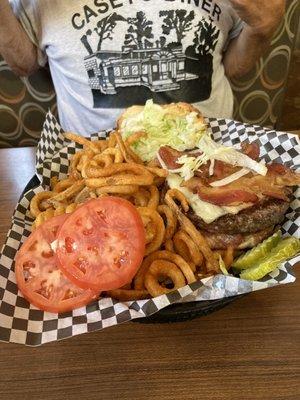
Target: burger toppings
(177, 125)
(209, 151)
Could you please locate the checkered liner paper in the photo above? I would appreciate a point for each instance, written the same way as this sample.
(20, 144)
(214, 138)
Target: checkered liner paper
(22, 323)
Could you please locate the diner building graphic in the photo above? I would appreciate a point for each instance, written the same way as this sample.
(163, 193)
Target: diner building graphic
(156, 68)
(153, 63)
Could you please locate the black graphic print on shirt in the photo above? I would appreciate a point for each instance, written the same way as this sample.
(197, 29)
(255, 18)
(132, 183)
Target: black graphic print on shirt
(146, 66)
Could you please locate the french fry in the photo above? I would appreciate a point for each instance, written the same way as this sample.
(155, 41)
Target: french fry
(68, 193)
(165, 268)
(128, 294)
(158, 223)
(189, 227)
(171, 221)
(35, 205)
(119, 189)
(73, 137)
(187, 248)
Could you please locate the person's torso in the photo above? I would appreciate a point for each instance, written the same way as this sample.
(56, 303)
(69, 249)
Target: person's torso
(108, 55)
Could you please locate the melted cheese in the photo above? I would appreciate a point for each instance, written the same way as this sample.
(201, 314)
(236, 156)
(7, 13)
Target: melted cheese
(207, 211)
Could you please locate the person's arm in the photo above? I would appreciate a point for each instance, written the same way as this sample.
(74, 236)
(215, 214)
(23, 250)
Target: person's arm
(261, 18)
(15, 46)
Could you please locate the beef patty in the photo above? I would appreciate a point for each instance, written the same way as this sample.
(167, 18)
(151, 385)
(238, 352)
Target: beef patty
(261, 216)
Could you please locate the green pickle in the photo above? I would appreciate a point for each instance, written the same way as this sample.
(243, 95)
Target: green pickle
(257, 253)
(285, 249)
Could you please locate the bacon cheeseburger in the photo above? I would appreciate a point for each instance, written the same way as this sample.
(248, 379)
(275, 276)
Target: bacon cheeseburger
(235, 199)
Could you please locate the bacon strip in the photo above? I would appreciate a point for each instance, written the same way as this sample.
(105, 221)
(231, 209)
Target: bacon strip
(170, 156)
(247, 189)
(251, 150)
(226, 197)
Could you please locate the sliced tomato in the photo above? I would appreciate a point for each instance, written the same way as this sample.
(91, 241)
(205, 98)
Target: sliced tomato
(102, 244)
(38, 277)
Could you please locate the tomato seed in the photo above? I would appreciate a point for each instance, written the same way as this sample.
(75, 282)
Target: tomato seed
(28, 265)
(48, 254)
(54, 231)
(117, 262)
(88, 232)
(81, 264)
(69, 294)
(33, 247)
(69, 243)
(102, 215)
(45, 290)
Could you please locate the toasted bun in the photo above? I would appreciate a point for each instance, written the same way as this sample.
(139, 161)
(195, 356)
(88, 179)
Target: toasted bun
(173, 108)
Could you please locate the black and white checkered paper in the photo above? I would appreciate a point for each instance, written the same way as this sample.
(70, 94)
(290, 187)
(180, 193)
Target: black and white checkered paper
(22, 323)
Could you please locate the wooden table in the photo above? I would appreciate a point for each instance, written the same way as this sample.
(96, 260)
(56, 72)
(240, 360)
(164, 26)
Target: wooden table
(250, 350)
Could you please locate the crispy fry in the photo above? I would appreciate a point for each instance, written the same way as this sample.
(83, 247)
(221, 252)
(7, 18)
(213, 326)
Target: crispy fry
(163, 268)
(156, 222)
(169, 245)
(103, 160)
(133, 155)
(71, 208)
(154, 197)
(75, 165)
(174, 194)
(75, 161)
(171, 221)
(150, 232)
(115, 153)
(120, 168)
(82, 140)
(63, 185)
(189, 227)
(35, 204)
(228, 257)
(141, 198)
(187, 248)
(53, 181)
(127, 179)
(128, 294)
(122, 147)
(44, 216)
(161, 173)
(135, 137)
(60, 211)
(153, 163)
(157, 181)
(163, 255)
(68, 193)
(85, 162)
(112, 140)
(120, 189)
(101, 144)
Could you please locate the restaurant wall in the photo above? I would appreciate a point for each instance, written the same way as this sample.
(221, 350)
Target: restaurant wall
(290, 117)
(258, 96)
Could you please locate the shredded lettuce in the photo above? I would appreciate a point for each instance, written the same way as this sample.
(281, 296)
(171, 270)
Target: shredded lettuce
(210, 151)
(229, 155)
(162, 128)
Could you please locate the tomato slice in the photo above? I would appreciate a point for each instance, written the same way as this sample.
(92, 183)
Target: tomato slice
(38, 277)
(102, 244)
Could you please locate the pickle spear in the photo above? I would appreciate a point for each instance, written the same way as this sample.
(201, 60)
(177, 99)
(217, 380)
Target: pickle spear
(285, 249)
(256, 254)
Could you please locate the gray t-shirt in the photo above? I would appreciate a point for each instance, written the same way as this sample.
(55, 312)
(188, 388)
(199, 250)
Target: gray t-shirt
(105, 56)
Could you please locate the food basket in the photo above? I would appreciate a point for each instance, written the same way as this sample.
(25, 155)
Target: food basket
(23, 323)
